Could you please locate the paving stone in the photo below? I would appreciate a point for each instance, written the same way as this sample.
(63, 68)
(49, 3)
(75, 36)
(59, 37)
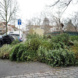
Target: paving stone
(46, 74)
(20, 75)
(48, 77)
(76, 76)
(29, 76)
(8, 77)
(13, 76)
(35, 76)
(51, 73)
(42, 77)
(55, 77)
(37, 73)
(23, 77)
(71, 77)
(2, 77)
(57, 73)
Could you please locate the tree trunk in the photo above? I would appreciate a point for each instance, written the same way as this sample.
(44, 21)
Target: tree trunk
(6, 28)
(6, 21)
(61, 26)
(6, 24)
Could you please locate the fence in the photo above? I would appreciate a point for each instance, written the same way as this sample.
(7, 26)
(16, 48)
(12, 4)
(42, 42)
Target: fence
(68, 32)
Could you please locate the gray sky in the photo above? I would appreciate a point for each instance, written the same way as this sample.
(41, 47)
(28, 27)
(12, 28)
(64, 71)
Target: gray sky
(30, 8)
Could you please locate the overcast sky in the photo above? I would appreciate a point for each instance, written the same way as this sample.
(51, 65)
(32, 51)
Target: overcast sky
(31, 8)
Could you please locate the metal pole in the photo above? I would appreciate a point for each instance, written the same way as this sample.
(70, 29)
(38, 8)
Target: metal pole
(19, 31)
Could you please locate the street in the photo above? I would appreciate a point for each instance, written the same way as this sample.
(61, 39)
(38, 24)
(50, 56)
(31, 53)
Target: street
(10, 69)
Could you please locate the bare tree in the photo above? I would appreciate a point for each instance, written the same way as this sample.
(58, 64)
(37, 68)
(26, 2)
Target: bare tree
(33, 22)
(75, 21)
(63, 5)
(7, 10)
(63, 2)
(36, 21)
(29, 24)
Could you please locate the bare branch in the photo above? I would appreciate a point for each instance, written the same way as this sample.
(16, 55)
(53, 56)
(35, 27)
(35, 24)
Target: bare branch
(66, 6)
(11, 14)
(1, 5)
(55, 3)
(7, 10)
(2, 16)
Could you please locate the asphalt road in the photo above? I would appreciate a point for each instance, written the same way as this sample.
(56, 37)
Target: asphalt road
(8, 68)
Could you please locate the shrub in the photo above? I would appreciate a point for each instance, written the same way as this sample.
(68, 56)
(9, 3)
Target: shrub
(58, 45)
(52, 45)
(74, 49)
(15, 42)
(61, 57)
(33, 44)
(22, 49)
(17, 52)
(48, 36)
(29, 56)
(46, 44)
(44, 36)
(21, 52)
(30, 36)
(75, 43)
(64, 38)
(73, 38)
(60, 41)
(4, 51)
(42, 54)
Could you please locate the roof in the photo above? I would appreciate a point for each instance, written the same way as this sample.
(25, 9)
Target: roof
(46, 19)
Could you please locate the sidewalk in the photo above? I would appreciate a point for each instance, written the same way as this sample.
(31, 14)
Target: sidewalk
(56, 74)
(35, 70)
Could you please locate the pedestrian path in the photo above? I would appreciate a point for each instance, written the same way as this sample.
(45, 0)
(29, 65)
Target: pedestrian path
(68, 72)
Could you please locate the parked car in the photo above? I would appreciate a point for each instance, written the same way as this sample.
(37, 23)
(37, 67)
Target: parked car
(7, 39)
(17, 35)
(1, 40)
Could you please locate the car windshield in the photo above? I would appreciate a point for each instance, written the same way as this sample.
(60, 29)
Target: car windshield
(15, 35)
(0, 36)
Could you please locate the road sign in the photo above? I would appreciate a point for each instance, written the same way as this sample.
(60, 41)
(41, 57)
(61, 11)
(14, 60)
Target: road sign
(19, 21)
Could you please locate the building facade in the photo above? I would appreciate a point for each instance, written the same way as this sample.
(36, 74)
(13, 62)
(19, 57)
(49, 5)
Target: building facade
(9, 28)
